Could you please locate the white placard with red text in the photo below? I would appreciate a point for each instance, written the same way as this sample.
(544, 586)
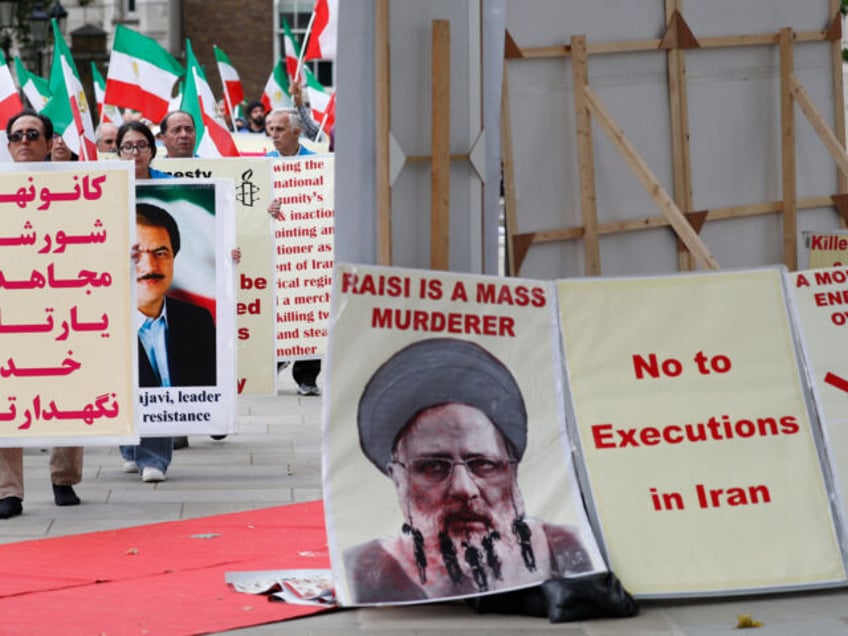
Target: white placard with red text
(304, 247)
(695, 428)
(821, 302)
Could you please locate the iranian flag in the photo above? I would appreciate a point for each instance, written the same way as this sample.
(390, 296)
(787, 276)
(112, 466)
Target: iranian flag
(292, 51)
(233, 90)
(213, 138)
(10, 101)
(141, 74)
(321, 101)
(35, 88)
(68, 107)
(321, 44)
(106, 112)
(276, 93)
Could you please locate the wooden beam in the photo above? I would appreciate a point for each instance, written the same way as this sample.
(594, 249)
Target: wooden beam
(678, 108)
(787, 151)
(831, 142)
(429, 158)
(696, 220)
(652, 186)
(654, 222)
(382, 117)
(635, 46)
(585, 158)
(440, 136)
(840, 201)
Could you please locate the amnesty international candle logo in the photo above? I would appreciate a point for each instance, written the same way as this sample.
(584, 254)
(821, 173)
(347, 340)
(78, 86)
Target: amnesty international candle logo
(247, 190)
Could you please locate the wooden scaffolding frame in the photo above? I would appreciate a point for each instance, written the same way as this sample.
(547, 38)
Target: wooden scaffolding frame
(676, 208)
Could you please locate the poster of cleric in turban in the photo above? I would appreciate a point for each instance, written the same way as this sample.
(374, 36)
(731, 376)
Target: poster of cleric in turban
(447, 468)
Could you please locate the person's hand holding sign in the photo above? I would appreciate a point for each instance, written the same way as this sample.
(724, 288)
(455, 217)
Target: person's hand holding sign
(274, 209)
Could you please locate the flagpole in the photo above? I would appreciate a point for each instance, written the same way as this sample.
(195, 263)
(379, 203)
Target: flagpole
(303, 46)
(229, 105)
(330, 106)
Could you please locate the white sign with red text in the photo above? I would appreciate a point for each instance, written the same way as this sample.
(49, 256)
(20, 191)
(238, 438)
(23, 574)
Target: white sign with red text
(821, 301)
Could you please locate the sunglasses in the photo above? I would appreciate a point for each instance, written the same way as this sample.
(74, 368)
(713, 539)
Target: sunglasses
(18, 136)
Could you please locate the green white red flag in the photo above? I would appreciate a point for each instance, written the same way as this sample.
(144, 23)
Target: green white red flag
(68, 107)
(321, 40)
(292, 51)
(10, 101)
(321, 101)
(141, 74)
(276, 93)
(106, 112)
(233, 90)
(35, 88)
(213, 138)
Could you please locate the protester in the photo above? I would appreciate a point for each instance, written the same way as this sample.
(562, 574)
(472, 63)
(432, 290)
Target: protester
(135, 141)
(30, 138)
(311, 128)
(106, 136)
(179, 134)
(256, 117)
(284, 128)
(60, 151)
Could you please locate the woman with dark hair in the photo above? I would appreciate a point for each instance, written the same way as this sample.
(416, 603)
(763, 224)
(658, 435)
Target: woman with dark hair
(136, 141)
(153, 454)
(60, 150)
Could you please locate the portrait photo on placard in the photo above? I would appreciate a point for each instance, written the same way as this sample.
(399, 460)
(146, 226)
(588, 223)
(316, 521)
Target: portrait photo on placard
(443, 428)
(181, 265)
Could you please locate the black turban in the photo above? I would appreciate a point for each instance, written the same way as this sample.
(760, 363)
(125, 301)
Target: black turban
(430, 373)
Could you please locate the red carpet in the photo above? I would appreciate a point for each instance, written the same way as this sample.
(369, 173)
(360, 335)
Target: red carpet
(165, 578)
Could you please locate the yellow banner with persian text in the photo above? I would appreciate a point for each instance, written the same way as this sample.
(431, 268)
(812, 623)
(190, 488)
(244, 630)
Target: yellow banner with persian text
(67, 368)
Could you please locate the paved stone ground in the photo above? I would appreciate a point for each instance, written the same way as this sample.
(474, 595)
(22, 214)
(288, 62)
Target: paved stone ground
(275, 458)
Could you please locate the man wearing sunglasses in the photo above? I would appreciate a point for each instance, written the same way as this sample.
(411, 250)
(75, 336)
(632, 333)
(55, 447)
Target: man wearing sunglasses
(30, 138)
(445, 421)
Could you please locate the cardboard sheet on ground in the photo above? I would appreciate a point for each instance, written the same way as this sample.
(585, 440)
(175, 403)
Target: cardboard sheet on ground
(255, 309)
(200, 394)
(66, 338)
(477, 494)
(695, 430)
(304, 253)
(821, 302)
(166, 578)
